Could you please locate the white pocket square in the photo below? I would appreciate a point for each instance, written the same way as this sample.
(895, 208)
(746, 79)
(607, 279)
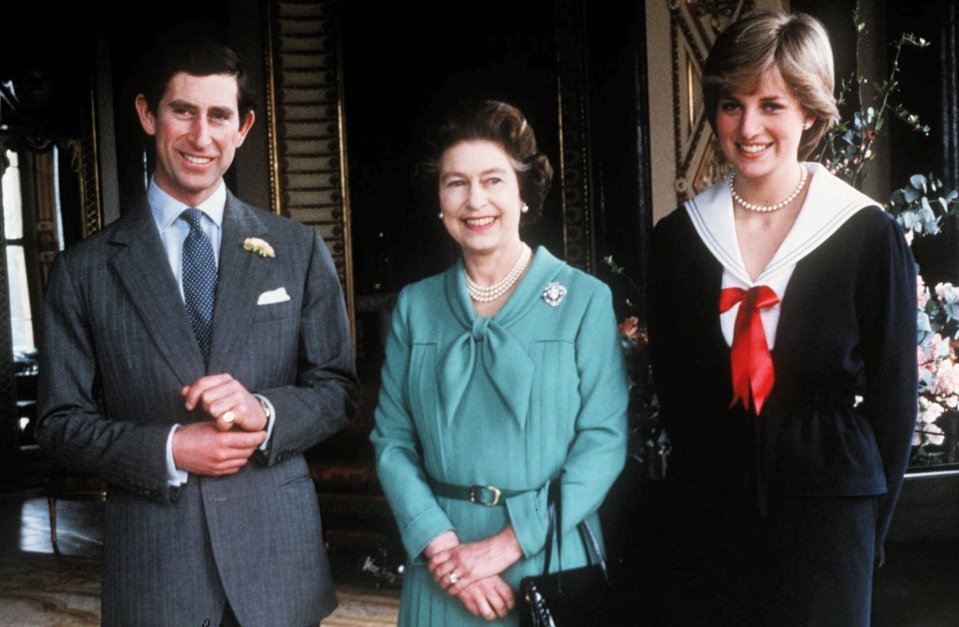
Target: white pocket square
(272, 297)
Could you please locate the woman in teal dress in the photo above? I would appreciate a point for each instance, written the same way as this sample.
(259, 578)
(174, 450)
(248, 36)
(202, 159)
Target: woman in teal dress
(502, 374)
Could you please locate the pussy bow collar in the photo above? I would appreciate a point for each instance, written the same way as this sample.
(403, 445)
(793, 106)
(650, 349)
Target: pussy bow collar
(487, 342)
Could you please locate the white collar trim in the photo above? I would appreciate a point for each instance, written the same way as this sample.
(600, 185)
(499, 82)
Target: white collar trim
(829, 203)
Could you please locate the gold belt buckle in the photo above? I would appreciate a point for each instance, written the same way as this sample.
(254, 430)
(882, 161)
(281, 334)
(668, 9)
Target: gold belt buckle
(476, 490)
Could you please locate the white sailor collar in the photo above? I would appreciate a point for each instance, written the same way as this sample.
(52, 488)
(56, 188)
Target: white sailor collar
(829, 203)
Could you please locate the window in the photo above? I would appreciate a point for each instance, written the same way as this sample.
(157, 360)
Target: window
(21, 318)
(32, 230)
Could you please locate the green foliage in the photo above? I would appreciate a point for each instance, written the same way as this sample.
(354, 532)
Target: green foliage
(848, 145)
(648, 443)
(620, 271)
(920, 206)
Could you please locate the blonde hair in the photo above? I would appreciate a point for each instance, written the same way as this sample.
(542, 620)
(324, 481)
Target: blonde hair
(797, 46)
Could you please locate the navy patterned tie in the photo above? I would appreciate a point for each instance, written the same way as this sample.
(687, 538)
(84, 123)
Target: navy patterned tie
(199, 280)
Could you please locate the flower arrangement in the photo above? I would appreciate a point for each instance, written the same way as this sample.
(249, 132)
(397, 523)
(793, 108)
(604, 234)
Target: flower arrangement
(847, 148)
(649, 445)
(934, 440)
(919, 207)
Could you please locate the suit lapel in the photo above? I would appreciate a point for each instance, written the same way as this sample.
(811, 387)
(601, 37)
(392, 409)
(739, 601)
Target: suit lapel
(142, 267)
(241, 274)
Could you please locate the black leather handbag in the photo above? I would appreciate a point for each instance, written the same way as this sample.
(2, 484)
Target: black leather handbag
(567, 598)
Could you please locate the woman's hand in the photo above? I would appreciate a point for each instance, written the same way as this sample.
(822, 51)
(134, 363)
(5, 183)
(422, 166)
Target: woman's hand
(442, 542)
(490, 598)
(458, 567)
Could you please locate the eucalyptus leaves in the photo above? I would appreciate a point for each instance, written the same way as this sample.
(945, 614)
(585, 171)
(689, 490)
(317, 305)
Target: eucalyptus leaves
(921, 205)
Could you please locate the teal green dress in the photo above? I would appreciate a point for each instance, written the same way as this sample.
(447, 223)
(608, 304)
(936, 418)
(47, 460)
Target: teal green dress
(511, 401)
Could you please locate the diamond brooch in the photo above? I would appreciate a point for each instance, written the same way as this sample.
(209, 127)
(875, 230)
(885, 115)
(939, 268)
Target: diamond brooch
(554, 293)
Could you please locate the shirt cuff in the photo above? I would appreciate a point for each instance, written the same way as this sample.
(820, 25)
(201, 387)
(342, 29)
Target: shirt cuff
(269, 422)
(175, 476)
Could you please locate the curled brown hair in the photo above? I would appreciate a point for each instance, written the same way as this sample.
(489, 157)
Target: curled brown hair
(498, 122)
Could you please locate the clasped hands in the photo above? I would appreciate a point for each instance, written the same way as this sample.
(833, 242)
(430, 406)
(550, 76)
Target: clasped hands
(222, 445)
(471, 571)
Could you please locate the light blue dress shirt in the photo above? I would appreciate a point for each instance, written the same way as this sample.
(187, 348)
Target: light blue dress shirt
(166, 212)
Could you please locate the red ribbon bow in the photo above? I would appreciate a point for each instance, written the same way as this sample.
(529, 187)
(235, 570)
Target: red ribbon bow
(752, 365)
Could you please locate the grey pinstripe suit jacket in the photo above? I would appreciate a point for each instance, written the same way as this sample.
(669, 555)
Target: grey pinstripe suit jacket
(117, 348)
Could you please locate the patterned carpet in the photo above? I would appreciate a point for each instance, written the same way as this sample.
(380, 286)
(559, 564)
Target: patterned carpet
(364, 608)
(38, 589)
(43, 589)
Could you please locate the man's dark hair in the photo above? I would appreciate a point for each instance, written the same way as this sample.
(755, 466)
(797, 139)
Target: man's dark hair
(198, 55)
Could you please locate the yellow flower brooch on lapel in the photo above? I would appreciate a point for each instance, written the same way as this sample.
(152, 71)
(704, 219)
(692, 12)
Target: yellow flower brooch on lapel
(258, 246)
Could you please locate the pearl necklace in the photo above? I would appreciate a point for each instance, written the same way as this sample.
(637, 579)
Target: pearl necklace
(803, 175)
(487, 294)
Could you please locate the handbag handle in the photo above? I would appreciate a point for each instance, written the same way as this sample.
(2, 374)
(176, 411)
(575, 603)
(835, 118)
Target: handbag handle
(554, 526)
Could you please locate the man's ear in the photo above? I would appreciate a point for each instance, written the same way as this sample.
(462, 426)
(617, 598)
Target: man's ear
(147, 119)
(245, 127)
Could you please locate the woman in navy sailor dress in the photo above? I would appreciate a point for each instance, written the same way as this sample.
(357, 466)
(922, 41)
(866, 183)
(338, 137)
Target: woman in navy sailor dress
(782, 327)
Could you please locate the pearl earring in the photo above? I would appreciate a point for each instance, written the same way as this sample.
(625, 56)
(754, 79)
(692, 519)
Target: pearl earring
(807, 126)
(440, 216)
(524, 208)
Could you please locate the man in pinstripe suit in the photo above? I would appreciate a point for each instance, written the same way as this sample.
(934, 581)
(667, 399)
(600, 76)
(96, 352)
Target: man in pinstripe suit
(196, 410)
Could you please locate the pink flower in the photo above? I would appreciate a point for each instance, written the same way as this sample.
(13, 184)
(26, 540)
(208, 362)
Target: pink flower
(629, 329)
(934, 435)
(929, 411)
(945, 291)
(934, 343)
(928, 434)
(947, 379)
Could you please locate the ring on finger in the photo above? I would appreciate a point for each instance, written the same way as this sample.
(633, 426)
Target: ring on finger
(453, 578)
(228, 416)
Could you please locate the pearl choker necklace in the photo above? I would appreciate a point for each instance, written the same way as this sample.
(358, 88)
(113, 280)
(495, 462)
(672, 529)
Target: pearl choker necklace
(490, 293)
(803, 175)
